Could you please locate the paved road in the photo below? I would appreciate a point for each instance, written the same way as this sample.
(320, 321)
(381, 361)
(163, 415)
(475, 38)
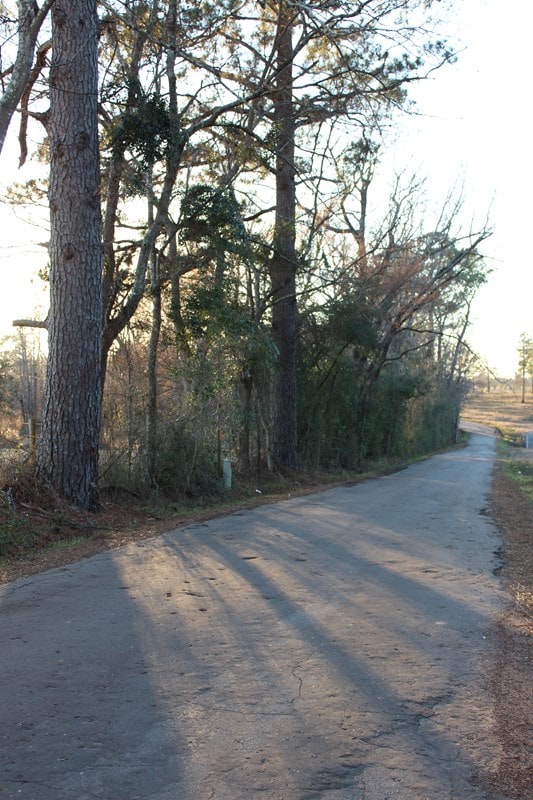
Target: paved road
(330, 647)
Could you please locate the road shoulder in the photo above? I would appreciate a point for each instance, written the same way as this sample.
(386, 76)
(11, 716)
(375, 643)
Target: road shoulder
(512, 678)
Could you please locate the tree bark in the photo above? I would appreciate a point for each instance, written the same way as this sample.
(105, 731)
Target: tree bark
(283, 262)
(151, 367)
(68, 450)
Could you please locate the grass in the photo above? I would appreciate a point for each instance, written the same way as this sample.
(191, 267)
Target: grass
(503, 411)
(65, 544)
(506, 413)
(522, 473)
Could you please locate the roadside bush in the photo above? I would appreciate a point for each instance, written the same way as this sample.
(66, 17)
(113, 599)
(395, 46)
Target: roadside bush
(16, 535)
(186, 463)
(431, 423)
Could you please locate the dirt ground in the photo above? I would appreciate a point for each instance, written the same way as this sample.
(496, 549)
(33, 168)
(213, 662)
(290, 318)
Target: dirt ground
(512, 675)
(512, 678)
(122, 521)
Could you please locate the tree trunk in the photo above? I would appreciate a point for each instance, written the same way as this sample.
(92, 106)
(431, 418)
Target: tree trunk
(151, 408)
(153, 344)
(68, 451)
(245, 433)
(283, 262)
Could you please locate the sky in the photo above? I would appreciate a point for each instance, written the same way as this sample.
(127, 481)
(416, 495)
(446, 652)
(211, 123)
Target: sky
(472, 129)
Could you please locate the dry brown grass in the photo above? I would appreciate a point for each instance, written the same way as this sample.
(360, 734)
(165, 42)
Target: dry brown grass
(512, 491)
(501, 410)
(512, 510)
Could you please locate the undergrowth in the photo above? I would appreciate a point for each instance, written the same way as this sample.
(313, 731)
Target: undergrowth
(17, 535)
(34, 518)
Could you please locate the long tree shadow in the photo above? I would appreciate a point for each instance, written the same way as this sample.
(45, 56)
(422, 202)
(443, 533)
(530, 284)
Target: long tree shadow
(79, 716)
(311, 642)
(303, 648)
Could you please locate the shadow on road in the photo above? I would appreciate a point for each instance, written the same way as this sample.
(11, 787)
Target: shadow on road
(326, 647)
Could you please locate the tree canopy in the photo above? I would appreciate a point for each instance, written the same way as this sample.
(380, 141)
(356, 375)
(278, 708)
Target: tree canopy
(254, 305)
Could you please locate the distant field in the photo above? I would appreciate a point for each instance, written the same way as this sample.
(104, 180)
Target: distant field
(501, 410)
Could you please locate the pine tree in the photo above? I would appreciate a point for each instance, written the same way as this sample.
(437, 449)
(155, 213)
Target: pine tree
(68, 449)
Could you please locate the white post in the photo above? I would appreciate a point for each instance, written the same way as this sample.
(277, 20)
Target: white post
(226, 473)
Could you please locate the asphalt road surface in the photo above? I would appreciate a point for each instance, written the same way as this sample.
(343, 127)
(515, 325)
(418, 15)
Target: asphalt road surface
(329, 647)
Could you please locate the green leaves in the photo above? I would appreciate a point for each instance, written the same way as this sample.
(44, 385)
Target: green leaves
(145, 130)
(211, 214)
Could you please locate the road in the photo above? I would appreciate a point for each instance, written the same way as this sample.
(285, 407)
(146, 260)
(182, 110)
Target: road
(329, 647)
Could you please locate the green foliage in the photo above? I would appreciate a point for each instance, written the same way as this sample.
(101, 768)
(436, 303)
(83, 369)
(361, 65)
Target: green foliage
(337, 342)
(207, 312)
(350, 409)
(215, 239)
(187, 463)
(212, 216)
(525, 354)
(403, 416)
(204, 311)
(352, 320)
(145, 130)
(16, 534)
(352, 406)
(387, 415)
(431, 422)
(212, 206)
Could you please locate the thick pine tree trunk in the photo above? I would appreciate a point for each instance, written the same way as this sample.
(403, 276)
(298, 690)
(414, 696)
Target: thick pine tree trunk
(68, 450)
(283, 262)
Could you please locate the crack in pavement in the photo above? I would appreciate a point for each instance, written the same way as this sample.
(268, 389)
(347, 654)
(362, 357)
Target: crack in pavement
(358, 673)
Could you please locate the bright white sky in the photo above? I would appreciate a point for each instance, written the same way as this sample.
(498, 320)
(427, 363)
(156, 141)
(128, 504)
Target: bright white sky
(476, 130)
(473, 129)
